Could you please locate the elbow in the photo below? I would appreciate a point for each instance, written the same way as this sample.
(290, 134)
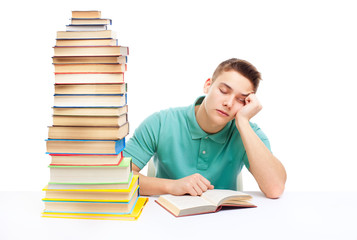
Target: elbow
(275, 192)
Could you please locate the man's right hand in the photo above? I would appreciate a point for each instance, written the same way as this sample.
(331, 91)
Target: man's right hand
(194, 185)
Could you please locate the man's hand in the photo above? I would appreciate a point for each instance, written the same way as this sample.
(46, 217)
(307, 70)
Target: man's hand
(251, 108)
(194, 185)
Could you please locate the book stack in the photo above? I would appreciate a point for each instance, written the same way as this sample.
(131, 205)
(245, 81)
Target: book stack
(89, 177)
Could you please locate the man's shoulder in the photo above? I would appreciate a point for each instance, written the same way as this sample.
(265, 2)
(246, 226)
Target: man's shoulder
(176, 114)
(176, 109)
(172, 112)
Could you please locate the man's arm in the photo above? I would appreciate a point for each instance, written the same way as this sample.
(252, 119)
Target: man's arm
(143, 145)
(267, 170)
(194, 184)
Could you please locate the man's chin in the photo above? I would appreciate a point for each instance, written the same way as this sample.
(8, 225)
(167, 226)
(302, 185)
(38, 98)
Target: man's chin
(220, 121)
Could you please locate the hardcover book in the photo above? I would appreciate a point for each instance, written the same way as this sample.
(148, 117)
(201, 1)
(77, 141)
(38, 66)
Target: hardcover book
(77, 186)
(90, 59)
(88, 133)
(209, 202)
(91, 88)
(87, 42)
(91, 50)
(91, 174)
(89, 121)
(71, 146)
(91, 21)
(86, 159)
(93, 194)
(90, 68)
(87, 14)
(92, 27)
(86, 35)
(99, 111)
(104, 207)
(87, 78)
(89, 100)
(134, 215)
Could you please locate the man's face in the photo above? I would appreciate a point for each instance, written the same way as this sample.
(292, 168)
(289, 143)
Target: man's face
(226, 96)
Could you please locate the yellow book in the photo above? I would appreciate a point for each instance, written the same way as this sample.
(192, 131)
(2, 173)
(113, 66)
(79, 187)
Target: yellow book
(93, 207)
(93, 195)
(134, 215)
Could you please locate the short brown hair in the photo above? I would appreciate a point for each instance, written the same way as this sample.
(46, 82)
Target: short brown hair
(241, 66)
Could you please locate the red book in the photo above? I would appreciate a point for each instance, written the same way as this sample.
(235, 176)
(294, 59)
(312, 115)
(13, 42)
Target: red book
(86, 159)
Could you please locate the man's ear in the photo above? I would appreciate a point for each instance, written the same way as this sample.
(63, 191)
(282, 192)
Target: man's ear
(207, 85)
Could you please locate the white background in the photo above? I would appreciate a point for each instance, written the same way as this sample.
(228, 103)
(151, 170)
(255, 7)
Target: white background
(305, 50)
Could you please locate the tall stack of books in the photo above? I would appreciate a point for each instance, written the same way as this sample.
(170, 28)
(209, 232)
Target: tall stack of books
(89, 177)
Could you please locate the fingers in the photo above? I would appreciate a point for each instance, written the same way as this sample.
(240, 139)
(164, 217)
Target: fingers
(200, 188)
(195, 190)
(194, 185)
(204, 180)
(251, 98)
(251, 108)
(198, 185)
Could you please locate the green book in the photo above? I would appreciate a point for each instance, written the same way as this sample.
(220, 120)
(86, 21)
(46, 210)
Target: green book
(91, 174)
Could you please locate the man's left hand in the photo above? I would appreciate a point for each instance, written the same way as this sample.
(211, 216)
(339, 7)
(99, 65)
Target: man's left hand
(251, 108)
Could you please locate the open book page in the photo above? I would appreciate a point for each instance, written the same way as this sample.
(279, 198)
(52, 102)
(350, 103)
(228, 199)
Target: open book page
(220, 196)
(185, 205)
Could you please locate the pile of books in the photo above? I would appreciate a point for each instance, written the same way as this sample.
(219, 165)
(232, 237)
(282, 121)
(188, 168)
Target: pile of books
(89, 177)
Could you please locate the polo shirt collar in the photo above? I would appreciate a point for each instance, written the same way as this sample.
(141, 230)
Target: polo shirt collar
(197, 132)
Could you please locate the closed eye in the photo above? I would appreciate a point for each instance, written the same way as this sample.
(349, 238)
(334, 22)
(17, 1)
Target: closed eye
(223, 91)
(241, 100)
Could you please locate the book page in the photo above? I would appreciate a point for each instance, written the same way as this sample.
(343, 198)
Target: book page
(217, 196)
(186, 201)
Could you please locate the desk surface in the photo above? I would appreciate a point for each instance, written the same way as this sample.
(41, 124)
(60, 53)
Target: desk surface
(296, 215)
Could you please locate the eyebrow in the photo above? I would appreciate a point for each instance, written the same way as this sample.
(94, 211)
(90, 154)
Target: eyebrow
(229, 87)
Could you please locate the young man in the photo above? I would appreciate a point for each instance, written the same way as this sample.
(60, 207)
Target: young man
(205, 145)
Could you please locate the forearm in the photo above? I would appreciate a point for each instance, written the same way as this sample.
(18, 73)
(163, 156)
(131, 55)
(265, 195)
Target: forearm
(194, 184)
(268, 171)
(152, 185)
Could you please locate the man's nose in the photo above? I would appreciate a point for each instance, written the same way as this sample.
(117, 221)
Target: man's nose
(229, 101)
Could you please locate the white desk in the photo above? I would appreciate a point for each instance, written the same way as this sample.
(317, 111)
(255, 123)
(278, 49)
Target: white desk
(296, 215)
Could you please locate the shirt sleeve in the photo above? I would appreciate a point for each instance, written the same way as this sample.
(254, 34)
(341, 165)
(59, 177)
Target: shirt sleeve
(262, 137)
(143, 144)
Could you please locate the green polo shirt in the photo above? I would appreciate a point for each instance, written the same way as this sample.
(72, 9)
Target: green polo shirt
(181, 148)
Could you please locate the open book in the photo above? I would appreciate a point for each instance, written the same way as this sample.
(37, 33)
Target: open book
(209, 201)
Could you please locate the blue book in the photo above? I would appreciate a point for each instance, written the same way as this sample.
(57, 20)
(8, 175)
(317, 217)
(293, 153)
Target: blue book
(70, 146)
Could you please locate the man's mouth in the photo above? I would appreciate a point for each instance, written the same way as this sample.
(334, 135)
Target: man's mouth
(223, 113)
